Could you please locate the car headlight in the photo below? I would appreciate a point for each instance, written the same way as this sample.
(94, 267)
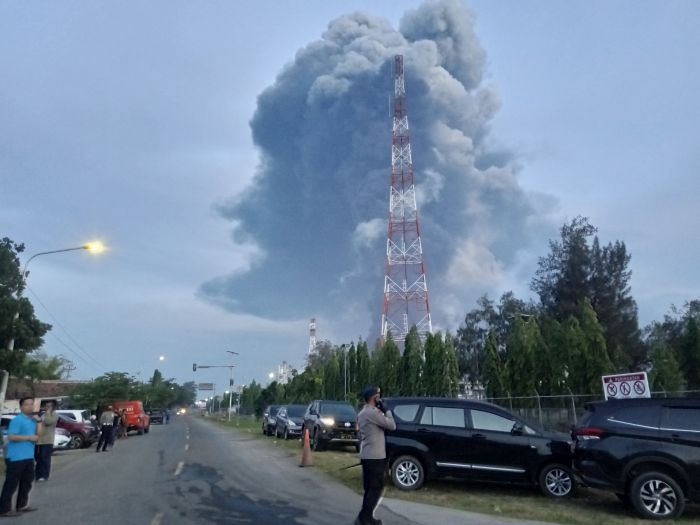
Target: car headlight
(328, 421)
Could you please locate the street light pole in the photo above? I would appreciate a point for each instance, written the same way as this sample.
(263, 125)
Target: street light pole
(230, 385)
(94, 247)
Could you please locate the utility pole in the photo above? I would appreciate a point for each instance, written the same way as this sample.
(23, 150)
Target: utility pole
(195, 366)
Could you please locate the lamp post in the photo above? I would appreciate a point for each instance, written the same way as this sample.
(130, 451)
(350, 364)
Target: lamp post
(92, 247)
(230, 384)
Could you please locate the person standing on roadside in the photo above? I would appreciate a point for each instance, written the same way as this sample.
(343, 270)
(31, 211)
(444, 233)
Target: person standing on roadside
(116, 423)
(106, 424)
(123, 424)
(22, 434)
(373, 420)
(44, 446)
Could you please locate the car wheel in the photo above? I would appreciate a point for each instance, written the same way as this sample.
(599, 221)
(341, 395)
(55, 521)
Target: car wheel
(76, 441)
(318, 445)
(557, 481)
(147, 429)
(407, 473)
(277, 433)
(140, 432)
(264, 430)
(656, 496)
(286, 434)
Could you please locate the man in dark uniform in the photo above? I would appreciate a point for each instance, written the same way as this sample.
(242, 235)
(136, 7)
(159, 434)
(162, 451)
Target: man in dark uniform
(373, 420)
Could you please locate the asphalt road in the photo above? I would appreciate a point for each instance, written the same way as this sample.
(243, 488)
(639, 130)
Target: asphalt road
(192, 471)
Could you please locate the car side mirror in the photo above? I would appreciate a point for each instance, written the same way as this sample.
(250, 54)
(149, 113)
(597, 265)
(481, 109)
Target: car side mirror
(517, 429)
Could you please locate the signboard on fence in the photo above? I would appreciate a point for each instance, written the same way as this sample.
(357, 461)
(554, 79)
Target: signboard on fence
(626, 386)
(205, 386)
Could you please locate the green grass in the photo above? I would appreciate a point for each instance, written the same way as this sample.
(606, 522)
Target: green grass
(589, 506)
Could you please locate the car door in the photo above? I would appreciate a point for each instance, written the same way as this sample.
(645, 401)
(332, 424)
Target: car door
(442, 430)
(281, 419)
(680, 426)
(495, 450)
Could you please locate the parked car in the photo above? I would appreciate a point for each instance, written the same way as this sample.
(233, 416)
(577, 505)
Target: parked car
(157, 415)
(136, 418)
(331, 423)
(81, 416)
(290, 419)
(81, 434)
(645, 450)
(269, 421)
(437, 437)
(61, 438)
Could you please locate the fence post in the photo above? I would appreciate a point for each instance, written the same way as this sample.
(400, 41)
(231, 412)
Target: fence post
(539, 407)
(510, 402)
(573, 407)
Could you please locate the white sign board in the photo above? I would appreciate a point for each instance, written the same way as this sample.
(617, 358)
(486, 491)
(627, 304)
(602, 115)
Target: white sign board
(626, 386)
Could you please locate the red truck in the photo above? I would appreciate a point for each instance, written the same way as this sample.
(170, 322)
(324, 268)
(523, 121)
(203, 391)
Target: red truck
(136, 417)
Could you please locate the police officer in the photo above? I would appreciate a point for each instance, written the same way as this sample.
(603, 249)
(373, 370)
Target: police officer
(373, 420)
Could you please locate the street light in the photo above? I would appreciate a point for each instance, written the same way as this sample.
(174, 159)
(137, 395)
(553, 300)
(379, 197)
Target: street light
(161, 358)
(92, 247)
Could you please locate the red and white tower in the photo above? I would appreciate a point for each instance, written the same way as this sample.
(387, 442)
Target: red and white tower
(405, 286)
(312, 336)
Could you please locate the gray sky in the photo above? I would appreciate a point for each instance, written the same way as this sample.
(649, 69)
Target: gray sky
(131, 124)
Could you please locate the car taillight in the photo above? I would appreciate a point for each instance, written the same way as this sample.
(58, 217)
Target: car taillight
(588, 433)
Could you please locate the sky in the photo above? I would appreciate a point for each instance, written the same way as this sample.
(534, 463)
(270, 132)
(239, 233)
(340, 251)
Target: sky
(234, 157)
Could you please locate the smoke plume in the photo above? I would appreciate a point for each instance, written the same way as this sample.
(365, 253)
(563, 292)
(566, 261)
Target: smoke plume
(317, 207)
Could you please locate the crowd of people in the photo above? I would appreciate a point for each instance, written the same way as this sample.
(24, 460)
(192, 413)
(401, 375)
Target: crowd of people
(30, 439)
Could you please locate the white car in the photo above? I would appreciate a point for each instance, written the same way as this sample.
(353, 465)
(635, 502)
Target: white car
(61, 437)
(81, 416)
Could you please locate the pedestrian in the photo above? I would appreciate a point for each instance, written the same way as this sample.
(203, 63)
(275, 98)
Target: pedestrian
(106, 424)
(22, 434)
(123, 425)
(373, 420)
(116, 422)
(44, 446)
(167, 416)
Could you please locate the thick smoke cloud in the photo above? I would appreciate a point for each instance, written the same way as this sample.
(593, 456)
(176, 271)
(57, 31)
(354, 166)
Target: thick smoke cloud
(318, 203)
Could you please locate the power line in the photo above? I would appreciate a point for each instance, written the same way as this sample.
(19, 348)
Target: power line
(87, 354)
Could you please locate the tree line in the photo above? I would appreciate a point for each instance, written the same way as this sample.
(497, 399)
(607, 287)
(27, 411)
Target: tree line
(584, 325)
(429, 368)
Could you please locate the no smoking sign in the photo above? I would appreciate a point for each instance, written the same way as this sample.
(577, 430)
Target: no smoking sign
(626, 386)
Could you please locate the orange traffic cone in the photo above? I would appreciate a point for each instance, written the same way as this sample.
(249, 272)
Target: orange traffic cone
(306, 459)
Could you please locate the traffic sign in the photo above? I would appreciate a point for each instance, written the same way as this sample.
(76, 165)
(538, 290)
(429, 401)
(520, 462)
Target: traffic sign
(205, 386)
(626, 386)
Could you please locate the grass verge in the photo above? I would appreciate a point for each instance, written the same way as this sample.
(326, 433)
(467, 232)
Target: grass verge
(589, 506)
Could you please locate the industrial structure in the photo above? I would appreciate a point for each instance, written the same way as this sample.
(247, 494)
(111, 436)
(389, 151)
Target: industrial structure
(312, 336)
(405, 286)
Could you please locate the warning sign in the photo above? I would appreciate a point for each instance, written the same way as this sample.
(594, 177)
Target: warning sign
(626, 386)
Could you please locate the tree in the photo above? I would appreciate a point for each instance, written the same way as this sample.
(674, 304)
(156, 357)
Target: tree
(386, 367)
(353, 387)
(451, 368)
(470, 343)
(574, 271)
(27, 330)
(363, 366)
(40, 366)
(110, 387)
(412, 364)
(331, 378)
(690, 353)
(493, 369)
(665, 372)
(433, 367)
(520, 363)
(574, 341)
(597, 362)
(551, 358)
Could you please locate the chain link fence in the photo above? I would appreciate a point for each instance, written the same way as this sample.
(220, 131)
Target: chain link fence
(560, 412)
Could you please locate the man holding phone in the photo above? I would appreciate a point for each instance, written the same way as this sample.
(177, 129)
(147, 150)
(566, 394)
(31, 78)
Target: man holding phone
(373, 420)
(22, 434)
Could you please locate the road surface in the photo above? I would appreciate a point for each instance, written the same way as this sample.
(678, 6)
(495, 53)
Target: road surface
(194, 472)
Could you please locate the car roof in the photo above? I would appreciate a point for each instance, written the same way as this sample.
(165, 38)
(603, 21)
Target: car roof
(644, 401)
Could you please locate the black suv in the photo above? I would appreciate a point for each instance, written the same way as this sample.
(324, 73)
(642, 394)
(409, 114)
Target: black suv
(331, 422)
(645, 450)
(437, 437)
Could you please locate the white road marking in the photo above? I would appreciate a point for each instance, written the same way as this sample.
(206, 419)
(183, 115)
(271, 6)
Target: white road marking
(178, 470)
(187, 447)
(157, 519)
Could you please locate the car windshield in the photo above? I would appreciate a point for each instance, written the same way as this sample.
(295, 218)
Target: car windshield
(338, 410)
(296, 411)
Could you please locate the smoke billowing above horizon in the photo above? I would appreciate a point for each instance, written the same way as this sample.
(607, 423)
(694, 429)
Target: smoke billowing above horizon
(315, 214)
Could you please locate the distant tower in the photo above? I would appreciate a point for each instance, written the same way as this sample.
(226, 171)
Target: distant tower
(405, 286)
(312, 336)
